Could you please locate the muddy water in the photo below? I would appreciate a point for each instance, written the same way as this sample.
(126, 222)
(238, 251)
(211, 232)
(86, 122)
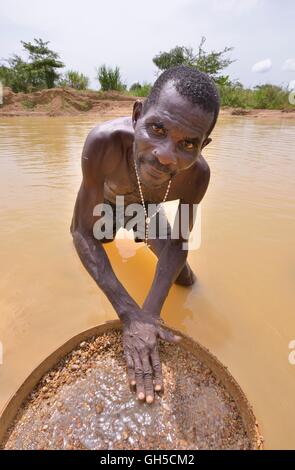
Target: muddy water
(242, 308)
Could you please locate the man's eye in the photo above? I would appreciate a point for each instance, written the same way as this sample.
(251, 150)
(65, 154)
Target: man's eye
(158, 129)
(188, 145)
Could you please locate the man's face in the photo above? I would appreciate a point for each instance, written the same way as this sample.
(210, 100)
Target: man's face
(169, 137)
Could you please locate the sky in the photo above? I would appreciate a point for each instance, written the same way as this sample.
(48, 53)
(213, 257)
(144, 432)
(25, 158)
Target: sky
(129, 33)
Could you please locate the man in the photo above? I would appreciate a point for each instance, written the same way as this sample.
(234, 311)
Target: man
(153, 156)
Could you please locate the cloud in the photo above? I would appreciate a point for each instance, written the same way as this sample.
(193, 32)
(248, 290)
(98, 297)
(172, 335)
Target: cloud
(262, 66)
(289, 65)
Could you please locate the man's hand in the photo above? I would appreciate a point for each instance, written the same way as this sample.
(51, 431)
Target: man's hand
(140, 343)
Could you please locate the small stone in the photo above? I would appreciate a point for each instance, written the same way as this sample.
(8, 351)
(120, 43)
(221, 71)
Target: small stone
(166, 407)
(125, 435)
(99, 407)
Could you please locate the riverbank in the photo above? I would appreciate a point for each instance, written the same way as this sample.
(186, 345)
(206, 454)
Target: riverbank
(69, 102)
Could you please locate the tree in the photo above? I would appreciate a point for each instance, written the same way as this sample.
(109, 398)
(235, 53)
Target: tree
(43, 61)
(38, 72)
(209, 62)
(110, 79)
(75, 80)
(17, 75)
(179, 55)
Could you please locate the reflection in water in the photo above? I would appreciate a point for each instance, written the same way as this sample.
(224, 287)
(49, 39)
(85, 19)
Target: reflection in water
(242, 308)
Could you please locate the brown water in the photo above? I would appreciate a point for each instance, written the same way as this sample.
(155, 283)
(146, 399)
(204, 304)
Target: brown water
(243, 307)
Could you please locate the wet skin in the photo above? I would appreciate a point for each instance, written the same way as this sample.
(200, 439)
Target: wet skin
(166, 141)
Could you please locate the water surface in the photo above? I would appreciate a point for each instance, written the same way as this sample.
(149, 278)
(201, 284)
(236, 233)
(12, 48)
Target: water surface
(242, 308)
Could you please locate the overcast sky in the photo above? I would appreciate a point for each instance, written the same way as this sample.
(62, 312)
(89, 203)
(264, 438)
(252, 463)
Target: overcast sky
(128, 33)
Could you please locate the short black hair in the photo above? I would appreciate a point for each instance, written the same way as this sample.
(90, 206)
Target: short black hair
(190, 83)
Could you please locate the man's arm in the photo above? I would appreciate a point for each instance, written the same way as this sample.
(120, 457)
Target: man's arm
(171, 254)
(90, 250)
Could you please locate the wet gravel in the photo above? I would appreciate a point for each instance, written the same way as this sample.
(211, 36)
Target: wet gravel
(85, 403)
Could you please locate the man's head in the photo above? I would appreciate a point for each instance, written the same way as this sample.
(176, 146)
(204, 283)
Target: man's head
(173, 125)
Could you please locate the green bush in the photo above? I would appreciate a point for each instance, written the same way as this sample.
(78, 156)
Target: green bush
(19, 76)
(270, 97)
(134, 86)
(261, 97)
(234, 95)
(110, 79)
(6, 76)
(74, 79)
(140, 90)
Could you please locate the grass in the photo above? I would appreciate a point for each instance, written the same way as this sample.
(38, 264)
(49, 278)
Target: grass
(28, 104)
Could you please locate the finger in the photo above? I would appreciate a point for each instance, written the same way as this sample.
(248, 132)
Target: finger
(157, 368)
(167, 335)
(130, 369)
(138, 376)
(148, 378)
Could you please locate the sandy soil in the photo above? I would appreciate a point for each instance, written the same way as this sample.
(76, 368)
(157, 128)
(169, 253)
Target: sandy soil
(67, 101)
(64, 102)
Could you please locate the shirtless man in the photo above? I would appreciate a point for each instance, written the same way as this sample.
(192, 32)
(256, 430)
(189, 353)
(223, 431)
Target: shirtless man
(163, 140)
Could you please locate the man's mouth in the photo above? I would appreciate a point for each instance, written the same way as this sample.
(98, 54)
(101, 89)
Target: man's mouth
(151, 170)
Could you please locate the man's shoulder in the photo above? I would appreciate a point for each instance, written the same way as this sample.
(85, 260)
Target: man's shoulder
(202, 178)
(105, 144)
(203, 170)
(197, 181)
(112, 131)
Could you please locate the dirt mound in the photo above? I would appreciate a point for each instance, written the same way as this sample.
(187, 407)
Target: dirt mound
(64, 101)
(68, 101)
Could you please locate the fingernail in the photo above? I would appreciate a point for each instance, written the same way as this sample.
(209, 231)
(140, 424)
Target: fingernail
(177, 338)
(140, 396)
(149, 399)
(158, 388)
(133, 383)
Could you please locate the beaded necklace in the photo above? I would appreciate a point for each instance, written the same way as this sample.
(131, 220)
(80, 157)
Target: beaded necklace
(148, 219)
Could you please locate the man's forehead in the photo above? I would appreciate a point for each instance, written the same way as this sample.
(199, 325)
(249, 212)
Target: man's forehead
(172, 106)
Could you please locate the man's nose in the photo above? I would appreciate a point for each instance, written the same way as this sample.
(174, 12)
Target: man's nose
(165, 155)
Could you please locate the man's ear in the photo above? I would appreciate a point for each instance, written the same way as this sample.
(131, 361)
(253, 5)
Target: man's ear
(206, 142)
(137, 108)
